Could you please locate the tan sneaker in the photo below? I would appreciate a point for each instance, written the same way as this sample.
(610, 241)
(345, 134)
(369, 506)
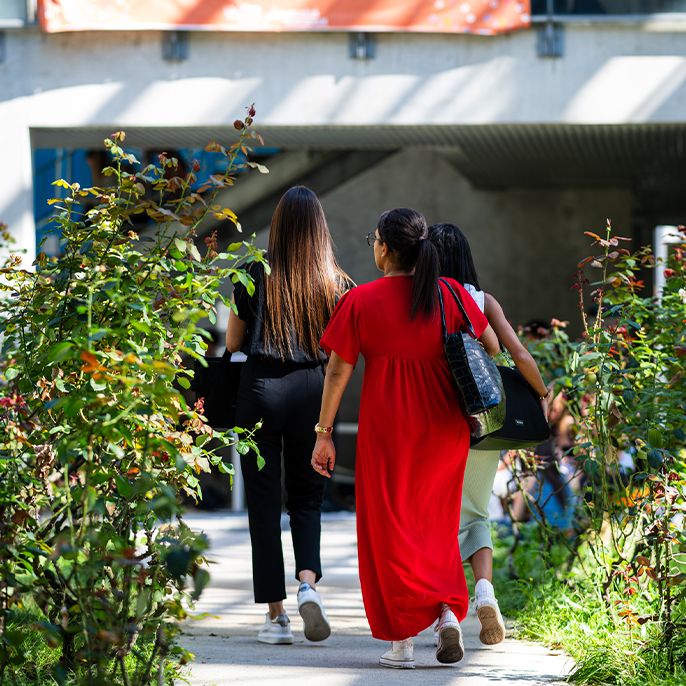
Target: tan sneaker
(491, 620)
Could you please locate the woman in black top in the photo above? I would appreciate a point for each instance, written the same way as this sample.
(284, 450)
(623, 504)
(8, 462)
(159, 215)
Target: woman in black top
(279, 328)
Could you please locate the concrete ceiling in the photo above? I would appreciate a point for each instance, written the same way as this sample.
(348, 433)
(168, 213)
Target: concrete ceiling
(646, 157)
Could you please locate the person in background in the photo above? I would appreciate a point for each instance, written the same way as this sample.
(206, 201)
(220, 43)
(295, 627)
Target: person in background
(475, 528)
(412, 440)
(278, 329)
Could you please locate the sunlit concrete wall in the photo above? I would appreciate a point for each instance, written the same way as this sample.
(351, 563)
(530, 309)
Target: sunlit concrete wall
(526, 244)
(609, 74)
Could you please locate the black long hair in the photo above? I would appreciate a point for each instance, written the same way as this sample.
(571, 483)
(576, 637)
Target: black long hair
(405, 233)
(454, 253)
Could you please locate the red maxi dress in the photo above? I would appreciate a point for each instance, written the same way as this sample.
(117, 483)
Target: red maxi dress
(411, 452)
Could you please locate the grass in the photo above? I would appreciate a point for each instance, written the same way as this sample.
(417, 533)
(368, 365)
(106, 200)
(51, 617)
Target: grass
(37, 663)
(565, 610)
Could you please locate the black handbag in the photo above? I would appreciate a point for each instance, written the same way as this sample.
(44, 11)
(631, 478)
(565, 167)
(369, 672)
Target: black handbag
(217, 384)
(478, 382)
(525, 424)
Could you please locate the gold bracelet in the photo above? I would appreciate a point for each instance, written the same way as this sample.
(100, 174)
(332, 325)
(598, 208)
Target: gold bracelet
(319, 429)
(543, 397)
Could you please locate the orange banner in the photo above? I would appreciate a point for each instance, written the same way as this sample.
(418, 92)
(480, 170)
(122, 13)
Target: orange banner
(486, 17)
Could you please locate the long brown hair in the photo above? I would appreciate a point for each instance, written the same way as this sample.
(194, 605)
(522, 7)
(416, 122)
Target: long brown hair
(305, 279)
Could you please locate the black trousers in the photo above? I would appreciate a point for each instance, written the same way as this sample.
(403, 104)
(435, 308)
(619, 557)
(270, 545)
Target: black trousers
(287, 398)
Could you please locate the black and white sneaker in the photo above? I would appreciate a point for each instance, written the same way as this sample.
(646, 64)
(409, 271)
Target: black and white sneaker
(276, 631)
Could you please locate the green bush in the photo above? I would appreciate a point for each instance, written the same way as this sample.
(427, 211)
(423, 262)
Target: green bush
(98, 441)
(619, 589)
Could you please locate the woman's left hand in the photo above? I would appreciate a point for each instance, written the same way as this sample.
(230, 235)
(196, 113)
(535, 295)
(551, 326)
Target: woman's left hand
(324, 456)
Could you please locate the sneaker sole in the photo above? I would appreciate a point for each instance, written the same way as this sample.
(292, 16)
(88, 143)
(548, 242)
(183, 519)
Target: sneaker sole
(492, 627)
(316, 628)
(450, 647)
(395, 664)
(275, 640)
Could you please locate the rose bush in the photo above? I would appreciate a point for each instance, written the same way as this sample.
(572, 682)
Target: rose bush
(98, 443)
(624, 382)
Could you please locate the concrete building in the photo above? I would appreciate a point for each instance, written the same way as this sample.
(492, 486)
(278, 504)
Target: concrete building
(524, 139)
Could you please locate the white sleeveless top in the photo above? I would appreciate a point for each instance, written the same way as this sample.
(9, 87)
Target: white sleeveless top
(476, 294)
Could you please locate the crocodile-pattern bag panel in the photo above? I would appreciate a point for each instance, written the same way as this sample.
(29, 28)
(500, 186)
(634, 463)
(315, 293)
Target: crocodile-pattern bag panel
(476, 376)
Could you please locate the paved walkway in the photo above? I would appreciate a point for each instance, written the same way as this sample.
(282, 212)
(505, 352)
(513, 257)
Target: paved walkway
(227, 652)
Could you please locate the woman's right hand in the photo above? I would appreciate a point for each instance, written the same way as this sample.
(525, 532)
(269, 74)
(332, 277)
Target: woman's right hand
(324, 456)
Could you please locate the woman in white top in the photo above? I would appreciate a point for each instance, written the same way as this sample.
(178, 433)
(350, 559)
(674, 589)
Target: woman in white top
(475, 531)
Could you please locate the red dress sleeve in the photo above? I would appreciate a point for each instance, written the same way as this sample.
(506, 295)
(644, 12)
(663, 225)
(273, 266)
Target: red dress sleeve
(341, 334)
(476, 316)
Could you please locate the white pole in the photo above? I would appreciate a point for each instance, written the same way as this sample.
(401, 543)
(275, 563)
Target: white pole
(663, 236)
(238, 491)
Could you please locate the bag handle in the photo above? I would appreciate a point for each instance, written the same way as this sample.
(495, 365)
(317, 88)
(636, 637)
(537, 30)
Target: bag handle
(465, 316)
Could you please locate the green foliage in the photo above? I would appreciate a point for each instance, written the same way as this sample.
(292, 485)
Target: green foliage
(624, 383)
(566, 610)
(98, 442)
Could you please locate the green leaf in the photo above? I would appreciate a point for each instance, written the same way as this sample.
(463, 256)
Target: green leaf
(178, 560)
(193, 250)
(180, 244)
(225, 468)
(142, 602)
(61, 386)
(212, 316)
(11, 373)
(60, 351)
(245, 279)
(183, 381)
(98, 385)
(200, 580)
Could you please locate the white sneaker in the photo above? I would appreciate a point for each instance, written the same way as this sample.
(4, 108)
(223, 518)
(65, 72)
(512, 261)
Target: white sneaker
(450, 647)
(488, 612)
(316, 623)
(400, 656)
(276, 631)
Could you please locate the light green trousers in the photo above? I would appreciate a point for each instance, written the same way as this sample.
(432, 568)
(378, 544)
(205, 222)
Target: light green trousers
(475, 528)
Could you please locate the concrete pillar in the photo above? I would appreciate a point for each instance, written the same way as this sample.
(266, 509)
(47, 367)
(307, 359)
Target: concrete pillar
(16, 184)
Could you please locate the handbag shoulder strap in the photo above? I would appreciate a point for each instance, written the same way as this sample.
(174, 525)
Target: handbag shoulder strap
(440, 302)
(465, 316)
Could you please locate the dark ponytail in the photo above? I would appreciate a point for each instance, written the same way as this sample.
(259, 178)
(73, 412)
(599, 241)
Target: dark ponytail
(405, 233)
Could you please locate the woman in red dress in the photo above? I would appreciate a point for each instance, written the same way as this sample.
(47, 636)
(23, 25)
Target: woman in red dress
(412, 441)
